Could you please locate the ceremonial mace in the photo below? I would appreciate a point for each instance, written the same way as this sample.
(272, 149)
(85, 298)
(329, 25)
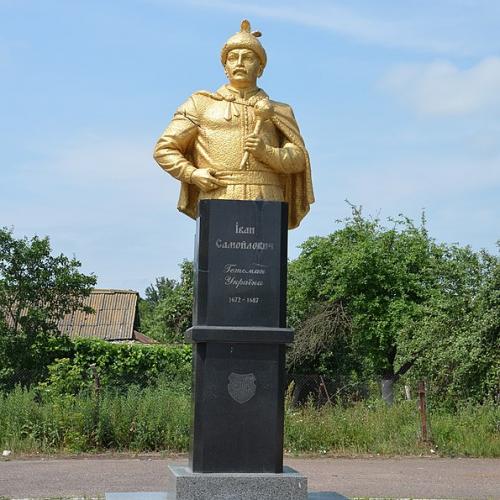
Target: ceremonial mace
(263, 110)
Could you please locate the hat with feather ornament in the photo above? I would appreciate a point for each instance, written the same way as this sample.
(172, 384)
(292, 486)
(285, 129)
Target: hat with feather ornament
(245, 39)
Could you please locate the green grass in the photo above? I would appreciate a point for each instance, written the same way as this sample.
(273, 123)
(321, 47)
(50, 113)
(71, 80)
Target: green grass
(374, 428)
(148, 419)
(359, 429)
(473, 431)
(158, 419)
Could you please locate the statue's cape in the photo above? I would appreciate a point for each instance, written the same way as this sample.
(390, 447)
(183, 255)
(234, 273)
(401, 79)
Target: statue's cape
(298, 190)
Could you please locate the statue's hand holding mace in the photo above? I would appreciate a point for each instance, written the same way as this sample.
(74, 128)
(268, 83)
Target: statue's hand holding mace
(263, 110)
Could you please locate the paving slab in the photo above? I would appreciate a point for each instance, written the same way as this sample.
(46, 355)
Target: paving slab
(328, 478)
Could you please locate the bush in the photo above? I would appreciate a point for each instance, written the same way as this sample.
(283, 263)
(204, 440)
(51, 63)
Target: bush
(99, 363)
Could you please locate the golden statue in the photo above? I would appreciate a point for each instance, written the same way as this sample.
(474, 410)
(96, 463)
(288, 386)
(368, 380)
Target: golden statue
(235, 143)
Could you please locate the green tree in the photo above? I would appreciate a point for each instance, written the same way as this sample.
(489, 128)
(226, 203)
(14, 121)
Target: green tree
(166, 312)
(463, 364)
(405, 294)
(36, 290)
(159, 290)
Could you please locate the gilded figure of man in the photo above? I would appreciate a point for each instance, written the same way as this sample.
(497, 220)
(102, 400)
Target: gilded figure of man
(235, 143)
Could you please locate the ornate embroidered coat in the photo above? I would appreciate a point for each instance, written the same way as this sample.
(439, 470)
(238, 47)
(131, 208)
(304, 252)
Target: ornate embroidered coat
(209, 131)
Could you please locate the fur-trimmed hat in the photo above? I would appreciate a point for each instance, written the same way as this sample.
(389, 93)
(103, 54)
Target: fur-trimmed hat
(245, 39)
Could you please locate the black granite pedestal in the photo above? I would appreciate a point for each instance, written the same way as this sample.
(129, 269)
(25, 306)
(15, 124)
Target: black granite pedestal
(239, 337)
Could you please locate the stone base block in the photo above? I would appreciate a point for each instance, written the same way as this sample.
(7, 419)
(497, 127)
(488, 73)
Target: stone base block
(187, 485)
(139, 495)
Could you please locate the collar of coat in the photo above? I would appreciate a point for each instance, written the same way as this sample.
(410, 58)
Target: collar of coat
(226, 93)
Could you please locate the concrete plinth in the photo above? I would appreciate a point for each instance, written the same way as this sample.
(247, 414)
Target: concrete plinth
(139, 495)
(188, 485)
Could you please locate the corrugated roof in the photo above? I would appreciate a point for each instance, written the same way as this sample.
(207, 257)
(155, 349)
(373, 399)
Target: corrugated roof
(113, 317)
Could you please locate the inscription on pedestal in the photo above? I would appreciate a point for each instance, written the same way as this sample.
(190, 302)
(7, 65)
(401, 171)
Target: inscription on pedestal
(241, 259)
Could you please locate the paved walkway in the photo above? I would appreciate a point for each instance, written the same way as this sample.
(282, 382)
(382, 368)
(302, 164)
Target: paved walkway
(335, 477)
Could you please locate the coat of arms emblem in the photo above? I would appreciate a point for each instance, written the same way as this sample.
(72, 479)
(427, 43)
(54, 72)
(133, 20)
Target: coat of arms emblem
(241, 386)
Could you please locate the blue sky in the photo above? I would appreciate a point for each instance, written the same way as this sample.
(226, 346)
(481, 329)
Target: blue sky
(399, 104)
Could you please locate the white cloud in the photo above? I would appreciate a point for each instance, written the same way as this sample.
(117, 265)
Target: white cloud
(91, 181)
(344, 20)
(456, 194)
(424, 181)
(105, 200)
(92, 159)
(441, 88)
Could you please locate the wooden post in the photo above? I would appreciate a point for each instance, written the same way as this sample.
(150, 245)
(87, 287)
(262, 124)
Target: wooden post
(325, 390)
(97, 381)
(422, 407)
(97, 400)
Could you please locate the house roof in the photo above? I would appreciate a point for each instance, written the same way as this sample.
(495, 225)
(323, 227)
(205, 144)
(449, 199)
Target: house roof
(114, 316)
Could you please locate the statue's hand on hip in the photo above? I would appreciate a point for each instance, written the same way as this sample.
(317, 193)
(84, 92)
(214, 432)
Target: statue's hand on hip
(205, 180)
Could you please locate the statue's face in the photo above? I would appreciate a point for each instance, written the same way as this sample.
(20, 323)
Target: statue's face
(243, 67)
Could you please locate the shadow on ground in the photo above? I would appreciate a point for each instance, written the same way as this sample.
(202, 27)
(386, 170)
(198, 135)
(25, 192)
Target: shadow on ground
(318, 495)
(326, 495)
